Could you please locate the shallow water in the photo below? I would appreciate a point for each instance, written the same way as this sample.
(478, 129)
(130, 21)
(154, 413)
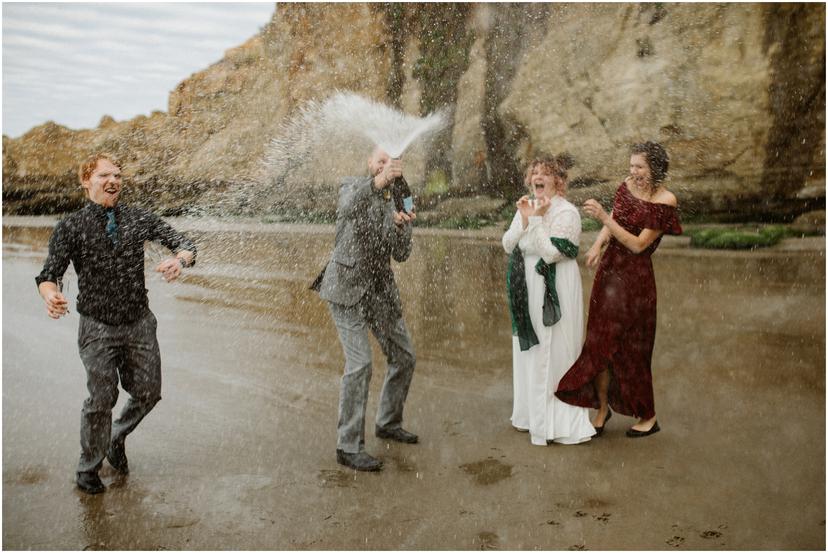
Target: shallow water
(240, 452)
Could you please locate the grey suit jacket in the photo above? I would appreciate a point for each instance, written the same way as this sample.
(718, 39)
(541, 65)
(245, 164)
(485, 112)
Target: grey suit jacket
(366, 240)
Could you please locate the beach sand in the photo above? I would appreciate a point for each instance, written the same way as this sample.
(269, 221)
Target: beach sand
(239, 454)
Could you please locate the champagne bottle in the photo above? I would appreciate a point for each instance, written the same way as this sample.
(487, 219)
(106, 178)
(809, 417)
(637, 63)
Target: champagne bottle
(400, 191)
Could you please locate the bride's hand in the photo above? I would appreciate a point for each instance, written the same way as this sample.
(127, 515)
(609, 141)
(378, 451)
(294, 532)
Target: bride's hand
(542, 206)
(524, 206)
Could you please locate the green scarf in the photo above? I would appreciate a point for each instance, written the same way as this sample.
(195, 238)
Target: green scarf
(519, 294)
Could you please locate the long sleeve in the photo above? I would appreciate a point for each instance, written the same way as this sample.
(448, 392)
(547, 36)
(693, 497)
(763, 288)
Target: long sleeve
(168, 236)
(514, 234)
(57, 261)
(565, 224)
(371, 218)
(353, 193)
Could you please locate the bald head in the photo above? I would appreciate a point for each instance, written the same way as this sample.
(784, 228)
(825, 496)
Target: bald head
(377, 161)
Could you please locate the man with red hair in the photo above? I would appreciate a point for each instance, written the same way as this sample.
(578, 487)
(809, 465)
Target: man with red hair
(104, 241)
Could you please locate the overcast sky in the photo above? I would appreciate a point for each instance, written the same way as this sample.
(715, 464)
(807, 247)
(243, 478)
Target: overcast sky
(73, 63)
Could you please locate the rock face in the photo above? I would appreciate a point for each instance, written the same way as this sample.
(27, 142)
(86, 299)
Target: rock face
(735, 92)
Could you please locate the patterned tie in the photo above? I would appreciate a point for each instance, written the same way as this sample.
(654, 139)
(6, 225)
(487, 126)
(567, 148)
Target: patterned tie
(111, 226)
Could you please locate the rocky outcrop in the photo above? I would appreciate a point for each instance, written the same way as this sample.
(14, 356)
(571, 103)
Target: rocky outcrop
(736, 92)
(40, 169)
(697, 78)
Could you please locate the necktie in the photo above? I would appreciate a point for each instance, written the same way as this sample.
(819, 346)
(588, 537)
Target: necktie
(111, 226)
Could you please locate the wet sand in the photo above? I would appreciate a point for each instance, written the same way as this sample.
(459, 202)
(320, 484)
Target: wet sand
(239, 454)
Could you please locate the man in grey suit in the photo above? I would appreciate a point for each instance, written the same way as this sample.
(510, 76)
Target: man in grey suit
(359, 286)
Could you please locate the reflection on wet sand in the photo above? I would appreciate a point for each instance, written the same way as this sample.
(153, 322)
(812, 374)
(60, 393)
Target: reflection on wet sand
(239, 453)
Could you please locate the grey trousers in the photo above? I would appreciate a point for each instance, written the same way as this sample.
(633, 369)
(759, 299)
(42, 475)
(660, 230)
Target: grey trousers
(128, 351)
(353, 323)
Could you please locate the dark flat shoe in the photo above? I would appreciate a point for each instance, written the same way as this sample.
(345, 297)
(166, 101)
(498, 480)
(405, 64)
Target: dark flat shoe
(116, 455)
(358, 461)
(632, 433)
(398, 435)
(90, 482)
(600, 429)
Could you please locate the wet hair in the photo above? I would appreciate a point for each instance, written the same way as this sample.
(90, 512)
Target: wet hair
(656, 157)
(88, 166)
(558, 166)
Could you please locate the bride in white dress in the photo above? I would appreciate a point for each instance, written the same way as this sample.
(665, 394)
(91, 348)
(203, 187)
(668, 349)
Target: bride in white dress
(548, 330)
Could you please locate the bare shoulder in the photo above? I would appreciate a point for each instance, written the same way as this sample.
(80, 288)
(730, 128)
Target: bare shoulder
(666, 197)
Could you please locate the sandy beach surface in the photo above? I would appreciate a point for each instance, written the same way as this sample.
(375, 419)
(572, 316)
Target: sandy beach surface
(239, 454)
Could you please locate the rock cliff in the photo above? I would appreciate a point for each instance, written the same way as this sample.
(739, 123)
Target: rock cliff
(736, 92)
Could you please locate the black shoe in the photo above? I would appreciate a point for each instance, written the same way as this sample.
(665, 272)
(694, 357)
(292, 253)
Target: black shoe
(632, 433)
(117, 457)
(397, 434)
(358, 461)
(90, 482)
(600, 429)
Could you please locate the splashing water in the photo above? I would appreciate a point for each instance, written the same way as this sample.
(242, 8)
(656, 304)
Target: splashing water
(390, 129)
(326, 140)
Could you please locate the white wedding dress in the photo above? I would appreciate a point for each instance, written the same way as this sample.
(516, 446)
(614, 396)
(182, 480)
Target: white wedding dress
(538, 370)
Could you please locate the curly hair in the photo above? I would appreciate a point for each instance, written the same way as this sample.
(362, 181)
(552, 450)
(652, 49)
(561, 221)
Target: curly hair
(558, 166)
(656, 157)
(88, 166)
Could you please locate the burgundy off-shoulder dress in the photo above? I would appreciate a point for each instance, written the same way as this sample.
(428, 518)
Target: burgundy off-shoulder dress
(622, 315)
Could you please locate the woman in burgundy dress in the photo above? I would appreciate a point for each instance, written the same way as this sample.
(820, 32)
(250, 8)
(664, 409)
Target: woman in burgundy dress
(614, 366)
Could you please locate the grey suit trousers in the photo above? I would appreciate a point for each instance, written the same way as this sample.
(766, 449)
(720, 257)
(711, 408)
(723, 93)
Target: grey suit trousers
(129, 351)
(353, 323)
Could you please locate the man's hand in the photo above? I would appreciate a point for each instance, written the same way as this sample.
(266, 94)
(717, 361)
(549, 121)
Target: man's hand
(170, 268)
(56, 304)
(401, 218)
(391, 171)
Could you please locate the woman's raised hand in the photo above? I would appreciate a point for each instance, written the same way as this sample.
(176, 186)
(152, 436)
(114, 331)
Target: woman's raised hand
(525, 207)
(595, 210)
(542, 206)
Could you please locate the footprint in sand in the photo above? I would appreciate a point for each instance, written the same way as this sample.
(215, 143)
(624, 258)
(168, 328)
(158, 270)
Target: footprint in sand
(403, 464)
(553, 523)
(675, 541)
(452, 428)
(32, 475)
(488, 540)
(487, 472)
(335, 479)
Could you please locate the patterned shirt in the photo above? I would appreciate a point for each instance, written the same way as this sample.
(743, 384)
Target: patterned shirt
(111, 287)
